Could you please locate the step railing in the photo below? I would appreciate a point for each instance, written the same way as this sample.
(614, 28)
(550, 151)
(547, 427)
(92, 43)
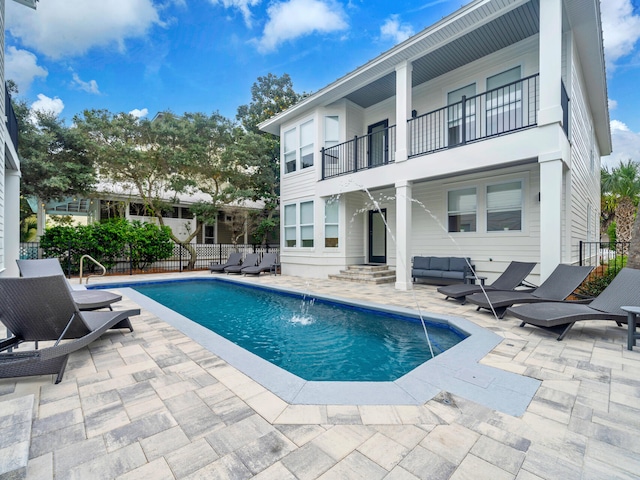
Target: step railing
(89, 257)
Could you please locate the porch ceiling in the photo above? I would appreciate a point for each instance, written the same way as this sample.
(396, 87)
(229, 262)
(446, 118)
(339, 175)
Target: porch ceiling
(514, 26)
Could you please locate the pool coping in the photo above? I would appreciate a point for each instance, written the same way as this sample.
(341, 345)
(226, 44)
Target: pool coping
(456, 370)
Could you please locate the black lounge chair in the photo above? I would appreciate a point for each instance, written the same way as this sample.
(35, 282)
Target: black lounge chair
(512, 277)
(268, 259)
(560, 284)
(251, 261)
(624, 290)
(86, 299)
(235, 258)
(41, 309)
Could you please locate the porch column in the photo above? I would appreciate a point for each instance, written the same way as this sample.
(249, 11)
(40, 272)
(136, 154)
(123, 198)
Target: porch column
(550, 52)
(11, 222)
(403, 109)
(403, 235)
(551, 208)
(41, 218)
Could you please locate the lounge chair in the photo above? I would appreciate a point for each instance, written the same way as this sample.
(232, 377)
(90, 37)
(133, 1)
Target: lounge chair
(235, 258)
(512, 277)
(41, 309)
(624, 290)
(268, 259)
(86, 299)
(560, 284)
(251, 261)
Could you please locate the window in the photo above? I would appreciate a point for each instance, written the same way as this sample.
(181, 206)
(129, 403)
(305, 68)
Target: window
(306, 224)
(331, 131)
(504, 102)
(290, 147)
(209, 234)
(454, 112)
(462, 210)
(504, 206)
(306, 145)
(290, 225)
(331, 227)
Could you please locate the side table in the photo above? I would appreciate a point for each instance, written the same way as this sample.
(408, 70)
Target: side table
(632, 317)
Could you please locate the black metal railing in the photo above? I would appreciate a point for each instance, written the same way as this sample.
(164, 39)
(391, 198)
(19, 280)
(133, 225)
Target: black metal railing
(12, 121)
(368, 151)
(506, 109)
(612, 255)
(564, 101)
(132, 263)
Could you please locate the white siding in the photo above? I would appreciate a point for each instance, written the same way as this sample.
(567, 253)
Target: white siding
(2, 141)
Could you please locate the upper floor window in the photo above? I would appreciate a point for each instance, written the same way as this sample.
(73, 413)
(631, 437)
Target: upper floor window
(298, 147)
(290, 148)
(504, 102)
(462, 207)
(504, 206)
(306, 144)
(331, 131)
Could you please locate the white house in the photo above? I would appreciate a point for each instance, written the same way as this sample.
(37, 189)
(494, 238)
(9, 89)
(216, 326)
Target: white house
(480, 136)
(9, 170)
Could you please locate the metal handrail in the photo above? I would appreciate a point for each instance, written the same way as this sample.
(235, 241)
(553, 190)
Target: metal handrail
(104, 270)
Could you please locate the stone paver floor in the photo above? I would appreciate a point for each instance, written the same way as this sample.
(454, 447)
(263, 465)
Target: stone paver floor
(155, 404)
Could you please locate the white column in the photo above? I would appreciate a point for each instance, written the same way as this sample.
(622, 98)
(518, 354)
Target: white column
(403, 235)
(550, 45)
(41, 218)
(403, 109)
(551, 207)
(11, 222)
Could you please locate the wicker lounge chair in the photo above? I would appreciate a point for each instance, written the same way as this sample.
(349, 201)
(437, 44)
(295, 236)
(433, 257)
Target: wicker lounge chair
(512, 277)
(41, 309)
(235, 258)
(560, 284)
(624, 290)
(86, 299)
(251, 261)
(268, 259)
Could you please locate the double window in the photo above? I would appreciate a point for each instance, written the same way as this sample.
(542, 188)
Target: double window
(298, 225)
(502, 210)
(298, 147)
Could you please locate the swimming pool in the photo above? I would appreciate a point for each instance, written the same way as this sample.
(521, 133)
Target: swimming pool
(313, 338)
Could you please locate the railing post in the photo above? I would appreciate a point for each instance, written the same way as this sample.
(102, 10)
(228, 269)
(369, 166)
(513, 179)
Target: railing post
(69, 262)
(355, 153)
(130, 260)
(323, 165)
(463, 120)
(580, 253)
(180, 256)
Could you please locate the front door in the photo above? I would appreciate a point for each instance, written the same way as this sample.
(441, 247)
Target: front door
(378, 143)
(377, 236)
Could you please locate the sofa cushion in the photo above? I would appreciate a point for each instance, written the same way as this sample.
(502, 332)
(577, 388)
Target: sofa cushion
(454, 275)
(439, 263)
(421, 263)
(458, 264)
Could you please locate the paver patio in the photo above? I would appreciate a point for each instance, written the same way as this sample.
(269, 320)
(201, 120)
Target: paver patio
(156, 404)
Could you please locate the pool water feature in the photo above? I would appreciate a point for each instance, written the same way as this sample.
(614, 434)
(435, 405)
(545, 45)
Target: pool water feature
(315, 339)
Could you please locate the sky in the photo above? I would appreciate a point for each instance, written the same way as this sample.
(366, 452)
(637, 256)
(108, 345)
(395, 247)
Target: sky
(148, 56)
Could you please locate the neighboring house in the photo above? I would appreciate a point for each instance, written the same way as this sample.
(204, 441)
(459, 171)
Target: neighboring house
(9, 170)
(480, 136)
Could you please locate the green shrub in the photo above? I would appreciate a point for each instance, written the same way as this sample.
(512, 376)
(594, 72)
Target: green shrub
(595, 284)
(611, 233)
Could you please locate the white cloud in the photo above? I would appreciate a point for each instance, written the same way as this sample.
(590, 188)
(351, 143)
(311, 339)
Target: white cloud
(296, 18)
(22, 67)
(613, 104)
(48, 105)
(242, 5)
(620, 30)
(136, 112)
(90, 87)
(626, 145)
(394, 31)
(62, 28)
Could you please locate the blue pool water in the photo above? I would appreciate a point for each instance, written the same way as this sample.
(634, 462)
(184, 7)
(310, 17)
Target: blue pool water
(315, 339)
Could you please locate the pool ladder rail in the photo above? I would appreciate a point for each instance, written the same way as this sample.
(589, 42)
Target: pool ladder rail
(89, 257)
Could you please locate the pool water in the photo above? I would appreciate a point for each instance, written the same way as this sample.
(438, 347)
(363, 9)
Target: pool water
(315, 339)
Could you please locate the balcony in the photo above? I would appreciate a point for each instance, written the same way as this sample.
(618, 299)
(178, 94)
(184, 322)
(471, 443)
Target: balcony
(507, 109)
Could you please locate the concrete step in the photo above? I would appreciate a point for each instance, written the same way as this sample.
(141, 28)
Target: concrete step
(370, 274)
(368, 280)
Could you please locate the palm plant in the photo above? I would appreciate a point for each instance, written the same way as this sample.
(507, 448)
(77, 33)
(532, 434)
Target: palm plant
(622, 185)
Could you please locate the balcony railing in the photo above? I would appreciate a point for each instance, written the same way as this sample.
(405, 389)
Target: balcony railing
(12, 121)
(502, 110)
(372, 150)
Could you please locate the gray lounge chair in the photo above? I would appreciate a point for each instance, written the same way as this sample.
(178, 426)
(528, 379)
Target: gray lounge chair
(624, 290)
(512, 277)
(235, 258)
(86, 299)
(251, 261)
(268, 259)
(41, 309)
(560, 284)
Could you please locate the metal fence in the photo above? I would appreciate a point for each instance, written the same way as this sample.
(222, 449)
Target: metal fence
(612, 255)
(131, 264)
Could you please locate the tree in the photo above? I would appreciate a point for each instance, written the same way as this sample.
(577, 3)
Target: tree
(162, 158)
(259, 152)
(622, 184)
